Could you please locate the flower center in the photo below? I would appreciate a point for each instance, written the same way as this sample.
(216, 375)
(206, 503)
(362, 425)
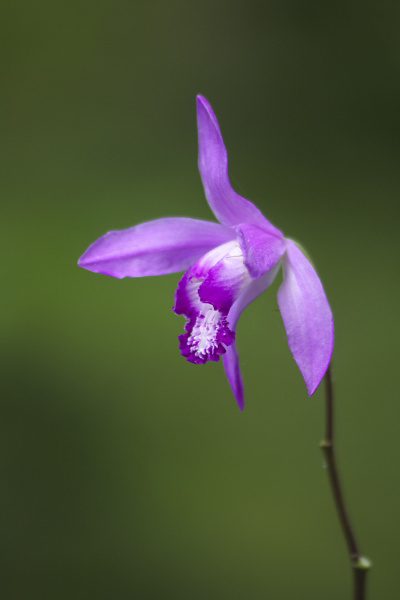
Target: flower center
(207, 336)
(204, 333)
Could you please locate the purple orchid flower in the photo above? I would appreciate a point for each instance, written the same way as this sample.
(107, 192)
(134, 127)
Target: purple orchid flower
(229, 264)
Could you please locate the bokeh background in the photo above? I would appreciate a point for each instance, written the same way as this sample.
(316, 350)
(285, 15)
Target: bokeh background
(126, 472)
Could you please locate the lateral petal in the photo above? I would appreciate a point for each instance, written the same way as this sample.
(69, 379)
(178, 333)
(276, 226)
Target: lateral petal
(154, 248)
(232, 370)
(229, 208)
(307, 317)
(231, 357)
(261, 250)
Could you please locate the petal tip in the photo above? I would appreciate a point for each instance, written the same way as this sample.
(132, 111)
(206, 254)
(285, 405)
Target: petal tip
(204, 105)
(82, 262)
(314, 384)
(201, 100)
(312, 387)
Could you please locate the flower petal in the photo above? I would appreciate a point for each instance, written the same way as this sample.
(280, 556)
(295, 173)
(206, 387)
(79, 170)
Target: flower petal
(261, 249)
(229, 208)
(154, 248)
(231, 358)
(232, 370)
(307, 317)
(250, 293)
(187, 299)
(226, 280)
(207, 332)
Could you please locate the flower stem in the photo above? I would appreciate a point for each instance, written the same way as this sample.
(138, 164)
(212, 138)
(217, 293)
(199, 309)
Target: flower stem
(359, 563)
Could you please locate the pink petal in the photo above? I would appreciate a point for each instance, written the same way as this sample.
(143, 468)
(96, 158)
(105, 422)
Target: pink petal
(229, 208)
(154, 248)
(307, 317)
(261, 249)
(231, 358)
(232, 370)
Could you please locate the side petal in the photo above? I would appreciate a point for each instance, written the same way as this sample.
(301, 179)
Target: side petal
(229, 208)
(232, 370)
(307, 317)
(154, 248)
(261, 250)
(231, 357)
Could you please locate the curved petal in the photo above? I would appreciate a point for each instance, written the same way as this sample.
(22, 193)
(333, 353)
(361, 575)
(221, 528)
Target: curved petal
(154, 248)
(204, 295)
(229, 208)
(307, 317)
(261, 249)
(226, 280)
(187, 299)
(232, 370)
(231, 357)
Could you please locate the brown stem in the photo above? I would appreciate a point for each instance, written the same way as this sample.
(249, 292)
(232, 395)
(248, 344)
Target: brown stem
(359, 563)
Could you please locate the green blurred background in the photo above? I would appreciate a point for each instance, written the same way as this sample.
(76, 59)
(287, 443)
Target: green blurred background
(125, 471)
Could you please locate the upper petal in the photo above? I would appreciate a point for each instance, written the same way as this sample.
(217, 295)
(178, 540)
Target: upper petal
(226, 204)
(307, 317)
(154, 248)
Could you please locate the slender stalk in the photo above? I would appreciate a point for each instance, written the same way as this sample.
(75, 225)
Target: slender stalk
(359, 563)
